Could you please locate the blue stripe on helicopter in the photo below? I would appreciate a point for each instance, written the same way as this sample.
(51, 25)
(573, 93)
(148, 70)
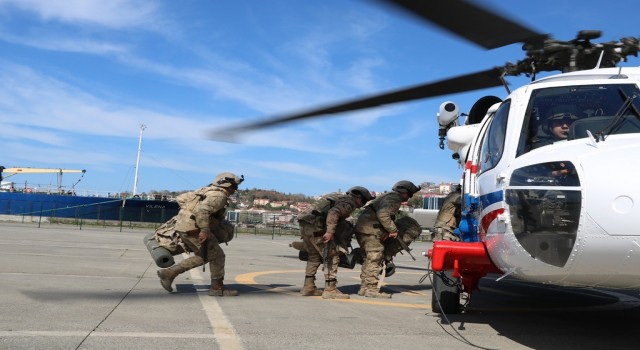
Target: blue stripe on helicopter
(491, 198)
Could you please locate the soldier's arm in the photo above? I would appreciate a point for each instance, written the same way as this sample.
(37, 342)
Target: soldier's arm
(341, 210)
(385, 213)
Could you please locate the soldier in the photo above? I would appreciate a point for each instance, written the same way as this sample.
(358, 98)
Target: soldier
(374, 226)
(448, 218)
(201, 212)
(318, 227)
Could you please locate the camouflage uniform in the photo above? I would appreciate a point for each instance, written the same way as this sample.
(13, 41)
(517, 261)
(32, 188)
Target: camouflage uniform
(408, 230)
(204, 214)
(321, 218)
(448, 218)
(372, 227)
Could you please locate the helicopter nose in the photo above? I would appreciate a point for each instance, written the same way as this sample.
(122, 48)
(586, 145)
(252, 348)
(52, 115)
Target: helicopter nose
(611, 193)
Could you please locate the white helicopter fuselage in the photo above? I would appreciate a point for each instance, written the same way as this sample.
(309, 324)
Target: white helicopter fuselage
(563, 213)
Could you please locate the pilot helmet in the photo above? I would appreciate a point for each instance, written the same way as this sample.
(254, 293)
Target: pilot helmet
(567, 113)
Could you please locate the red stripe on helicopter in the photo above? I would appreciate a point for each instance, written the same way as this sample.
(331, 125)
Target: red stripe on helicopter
(470, 166)
(487, 220)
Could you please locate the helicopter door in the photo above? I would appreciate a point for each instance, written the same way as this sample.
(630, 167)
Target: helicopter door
(489, 168)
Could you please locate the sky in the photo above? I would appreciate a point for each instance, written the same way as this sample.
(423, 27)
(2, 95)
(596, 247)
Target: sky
(78, 78)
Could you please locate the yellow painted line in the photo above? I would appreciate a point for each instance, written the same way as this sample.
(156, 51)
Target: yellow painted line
(250, 279)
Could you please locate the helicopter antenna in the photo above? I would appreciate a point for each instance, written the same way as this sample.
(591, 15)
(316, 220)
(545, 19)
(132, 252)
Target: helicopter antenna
(504, 82)
(599, 59)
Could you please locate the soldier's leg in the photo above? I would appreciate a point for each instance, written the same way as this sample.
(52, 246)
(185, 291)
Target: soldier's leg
(372, 266)
(450, 236)
(363, 284)
(216, 267)
(192, 243)
(168, 275)
(330, 276)
(313, 263)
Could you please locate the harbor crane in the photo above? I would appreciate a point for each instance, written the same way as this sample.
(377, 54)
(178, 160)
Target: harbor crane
(14, 171)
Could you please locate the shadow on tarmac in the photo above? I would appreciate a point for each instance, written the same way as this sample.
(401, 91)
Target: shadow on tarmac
(547, 317)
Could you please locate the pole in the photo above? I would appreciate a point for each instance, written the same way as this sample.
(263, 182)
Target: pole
(135, 180)
(273, 233)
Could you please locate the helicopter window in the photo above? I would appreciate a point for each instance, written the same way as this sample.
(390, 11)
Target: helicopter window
(493, 141)
(545, 221)
(546, 174)
(566, 113)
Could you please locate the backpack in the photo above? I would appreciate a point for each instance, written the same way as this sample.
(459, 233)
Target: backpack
(189, 200)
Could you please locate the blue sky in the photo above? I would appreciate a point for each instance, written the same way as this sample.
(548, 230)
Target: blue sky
(78, 77)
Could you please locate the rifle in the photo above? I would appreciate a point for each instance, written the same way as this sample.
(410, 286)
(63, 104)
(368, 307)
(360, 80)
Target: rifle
(204, 249)
(403, 245)
(325, 255)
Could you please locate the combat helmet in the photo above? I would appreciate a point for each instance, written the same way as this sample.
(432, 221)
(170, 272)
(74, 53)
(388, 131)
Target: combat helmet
(405, 186)
(362, 192)
(227, 180)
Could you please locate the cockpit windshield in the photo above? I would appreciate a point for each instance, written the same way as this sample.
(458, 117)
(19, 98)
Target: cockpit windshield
(566, 113)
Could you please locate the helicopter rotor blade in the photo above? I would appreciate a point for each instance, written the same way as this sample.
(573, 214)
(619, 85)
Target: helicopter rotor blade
(472, 22)
(469, 82)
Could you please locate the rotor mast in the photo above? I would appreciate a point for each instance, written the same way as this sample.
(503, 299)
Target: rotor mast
(135, 180)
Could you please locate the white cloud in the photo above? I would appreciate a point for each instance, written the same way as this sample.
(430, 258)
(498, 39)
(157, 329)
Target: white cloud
(67, 44)
(112, 13)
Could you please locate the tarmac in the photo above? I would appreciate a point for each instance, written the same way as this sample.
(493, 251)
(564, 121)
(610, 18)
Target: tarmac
(72, 287)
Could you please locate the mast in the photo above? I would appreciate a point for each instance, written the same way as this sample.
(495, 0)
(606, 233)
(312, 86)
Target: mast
(135, 180)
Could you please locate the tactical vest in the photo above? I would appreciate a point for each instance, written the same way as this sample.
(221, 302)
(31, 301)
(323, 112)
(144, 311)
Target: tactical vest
(188, 202)
(318, 215)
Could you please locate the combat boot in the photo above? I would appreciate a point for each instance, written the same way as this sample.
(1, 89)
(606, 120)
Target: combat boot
(374, 292)
(168, 275)
(331, 292)
(218, 289)
(309, 288)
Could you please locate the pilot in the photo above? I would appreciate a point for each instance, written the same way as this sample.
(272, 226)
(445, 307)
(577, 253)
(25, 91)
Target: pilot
(318, 226)
(448, 218)
(374, 226)
(556, 127)
(201, 214)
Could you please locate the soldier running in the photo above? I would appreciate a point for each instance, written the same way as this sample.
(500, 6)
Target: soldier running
(201, 212)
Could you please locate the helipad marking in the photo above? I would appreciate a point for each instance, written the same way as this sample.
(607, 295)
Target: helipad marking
(223, 330)
(250, 279)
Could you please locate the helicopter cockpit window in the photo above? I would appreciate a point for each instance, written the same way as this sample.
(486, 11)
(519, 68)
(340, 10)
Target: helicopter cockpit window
(493, 140)
(565, 113)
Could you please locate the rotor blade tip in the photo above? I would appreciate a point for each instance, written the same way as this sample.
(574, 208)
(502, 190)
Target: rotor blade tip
(223, 135)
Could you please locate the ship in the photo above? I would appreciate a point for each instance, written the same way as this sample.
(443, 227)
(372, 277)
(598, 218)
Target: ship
(60, 202)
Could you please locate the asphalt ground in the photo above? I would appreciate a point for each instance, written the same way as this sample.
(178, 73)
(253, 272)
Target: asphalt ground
(65, 287)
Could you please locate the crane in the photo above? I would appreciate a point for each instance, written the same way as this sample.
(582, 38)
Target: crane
(14, 171)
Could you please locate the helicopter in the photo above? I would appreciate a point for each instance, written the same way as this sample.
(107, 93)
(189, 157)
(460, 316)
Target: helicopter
(548, 209)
